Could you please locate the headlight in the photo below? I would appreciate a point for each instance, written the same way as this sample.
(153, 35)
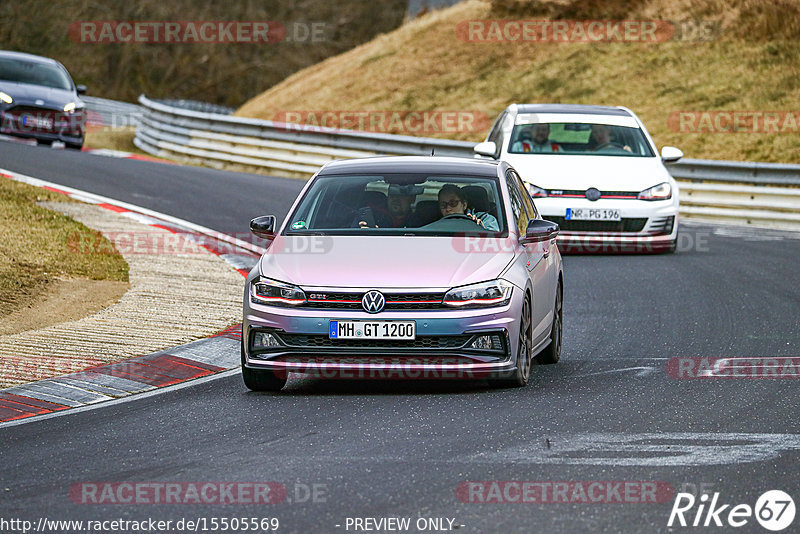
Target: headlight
(494, 293)
(69, 107)
(536, 191)
(6, 98)
(274, 293)
(661, 191)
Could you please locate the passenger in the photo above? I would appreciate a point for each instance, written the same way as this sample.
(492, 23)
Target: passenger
(399, 208)
(453, 201)
(397, 213)
(535, 139)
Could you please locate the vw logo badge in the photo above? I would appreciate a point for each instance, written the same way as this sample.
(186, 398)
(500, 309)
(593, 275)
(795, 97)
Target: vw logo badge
(593, 194)
(373, 301)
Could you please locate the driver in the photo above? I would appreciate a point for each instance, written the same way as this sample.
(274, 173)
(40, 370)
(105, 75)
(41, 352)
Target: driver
(453, 201)
(601, 138)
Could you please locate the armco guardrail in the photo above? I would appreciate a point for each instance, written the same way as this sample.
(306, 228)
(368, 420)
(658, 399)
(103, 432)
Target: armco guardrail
(727, 191)
(114, 114)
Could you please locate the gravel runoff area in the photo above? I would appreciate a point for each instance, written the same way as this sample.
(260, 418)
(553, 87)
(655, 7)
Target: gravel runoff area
(179, 292)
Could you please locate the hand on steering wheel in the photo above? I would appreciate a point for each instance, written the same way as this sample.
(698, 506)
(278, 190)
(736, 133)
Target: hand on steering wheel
(469, 216)
(607, 145)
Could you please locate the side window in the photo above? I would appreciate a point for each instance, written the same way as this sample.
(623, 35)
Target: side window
(518, 209)
(497, 129)
(496, 135)
(526, 197)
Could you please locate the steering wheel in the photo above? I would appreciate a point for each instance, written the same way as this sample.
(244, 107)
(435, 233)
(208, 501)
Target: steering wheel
(458, 216)
(610, 144)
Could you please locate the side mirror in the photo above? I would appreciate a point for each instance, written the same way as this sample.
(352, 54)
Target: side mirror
(81, 89)
(487, 148)
(539, 230)
(264, 227)
(670, 154)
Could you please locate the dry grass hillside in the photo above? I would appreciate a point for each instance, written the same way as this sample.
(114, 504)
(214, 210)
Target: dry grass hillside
(739, 55)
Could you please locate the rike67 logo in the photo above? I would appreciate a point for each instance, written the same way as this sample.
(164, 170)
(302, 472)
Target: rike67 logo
(774, 510)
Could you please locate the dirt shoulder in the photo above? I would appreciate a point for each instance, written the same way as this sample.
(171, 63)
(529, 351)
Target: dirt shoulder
(65, 300)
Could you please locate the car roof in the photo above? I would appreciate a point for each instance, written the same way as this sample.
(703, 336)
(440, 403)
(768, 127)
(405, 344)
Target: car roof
(581, 109)
(413, 164)
(27, 57)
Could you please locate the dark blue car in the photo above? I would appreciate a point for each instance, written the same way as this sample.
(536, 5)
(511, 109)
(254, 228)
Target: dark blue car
(39, 100)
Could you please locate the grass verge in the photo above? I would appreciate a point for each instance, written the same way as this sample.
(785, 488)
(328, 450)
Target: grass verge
(113, 139)
(37, 248)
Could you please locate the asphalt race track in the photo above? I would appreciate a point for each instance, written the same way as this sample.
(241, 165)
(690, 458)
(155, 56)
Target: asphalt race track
(608, 412)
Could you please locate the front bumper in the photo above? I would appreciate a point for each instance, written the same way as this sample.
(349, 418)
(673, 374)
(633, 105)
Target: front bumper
(441, 349)
(646, 226)
(67, 128)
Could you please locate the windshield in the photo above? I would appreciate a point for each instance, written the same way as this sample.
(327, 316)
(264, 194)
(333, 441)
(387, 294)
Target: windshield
(573, 138)
(400, 204)
(34, 73)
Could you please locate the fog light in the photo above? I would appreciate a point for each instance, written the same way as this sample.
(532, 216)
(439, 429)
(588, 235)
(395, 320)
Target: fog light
(669, 224)
(264, 340)
(491, 342)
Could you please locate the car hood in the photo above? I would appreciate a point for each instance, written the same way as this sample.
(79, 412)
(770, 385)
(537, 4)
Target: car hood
(382, 262)
(606, 173)
(25, 93)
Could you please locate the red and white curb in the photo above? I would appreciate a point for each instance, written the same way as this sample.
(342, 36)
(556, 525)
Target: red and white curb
(126, 155)
(110, 381)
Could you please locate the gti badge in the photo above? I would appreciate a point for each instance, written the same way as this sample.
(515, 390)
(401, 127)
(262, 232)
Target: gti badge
(373, 301)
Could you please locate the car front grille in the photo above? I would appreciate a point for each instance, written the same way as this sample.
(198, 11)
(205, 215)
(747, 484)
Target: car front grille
(580, 193)
(630, 224)
(29, 119)
(321, 341)
(394, 301)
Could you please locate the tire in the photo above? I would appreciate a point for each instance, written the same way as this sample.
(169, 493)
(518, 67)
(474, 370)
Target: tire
(73, 146)
(552, 353)
(522, 372)
(260, 379)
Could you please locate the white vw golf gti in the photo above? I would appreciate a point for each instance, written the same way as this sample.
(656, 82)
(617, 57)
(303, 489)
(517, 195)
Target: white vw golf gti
(595, 171)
